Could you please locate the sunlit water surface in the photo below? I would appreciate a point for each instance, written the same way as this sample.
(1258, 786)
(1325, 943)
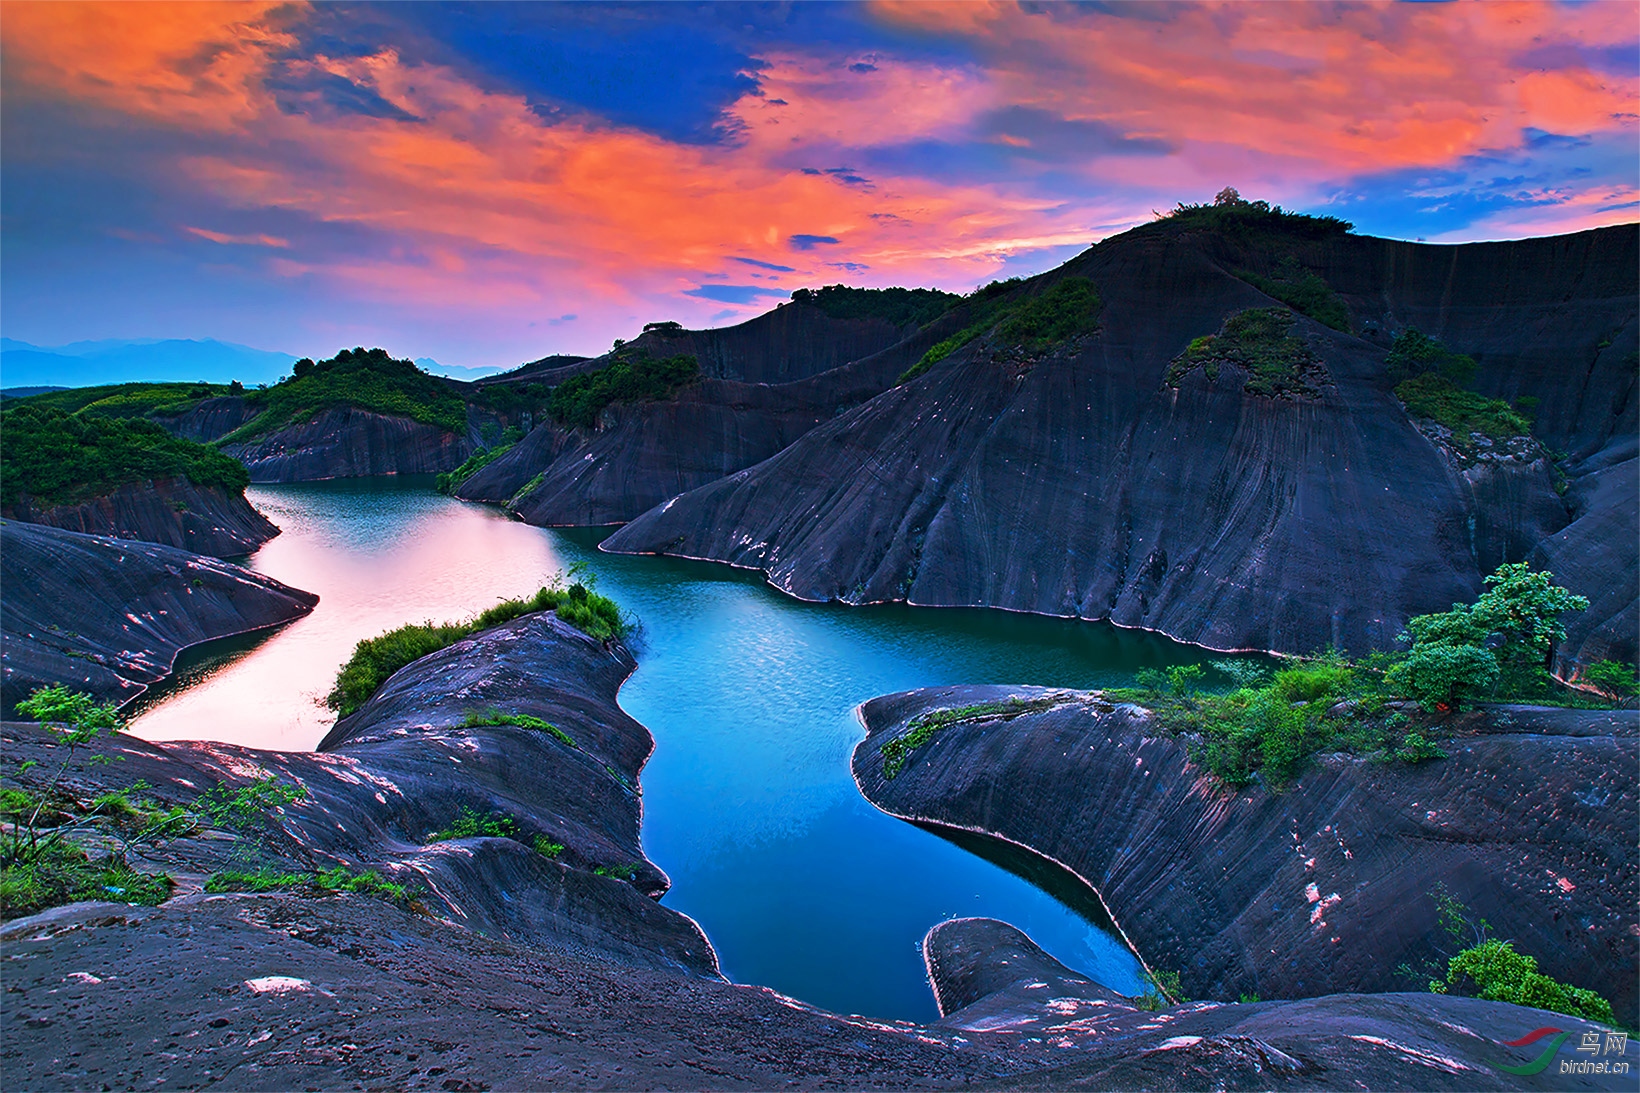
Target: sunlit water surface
(748, 801)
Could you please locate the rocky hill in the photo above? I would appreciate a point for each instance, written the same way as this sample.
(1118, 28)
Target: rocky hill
(1195, 456)
(109, 616)
(1325, 886)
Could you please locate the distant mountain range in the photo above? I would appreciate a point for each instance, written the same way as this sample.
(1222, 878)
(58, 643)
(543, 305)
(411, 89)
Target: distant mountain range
(85, 364)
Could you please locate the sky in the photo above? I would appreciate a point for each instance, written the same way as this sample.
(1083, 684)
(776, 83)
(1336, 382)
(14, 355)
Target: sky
(487, 184)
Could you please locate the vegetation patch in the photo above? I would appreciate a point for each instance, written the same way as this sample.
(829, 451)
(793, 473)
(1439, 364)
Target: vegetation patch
(627, 871)
(63, 872)
(451, 481)
(127, 400)
(468, 824)
(60, 458)
(1070, 308)
(1260, 341)
(1267, 725)
(900, 306)
(635, 377)
(322, 882)
(924, 727)
(1464, 413)
(1304, 291)
(494, 716)
(375, 659)
(367, 379)
(1233, 216)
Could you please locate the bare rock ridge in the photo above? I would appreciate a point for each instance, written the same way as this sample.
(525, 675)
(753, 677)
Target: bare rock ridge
(170, 511)
(642, 455)
(109, 616)
(350, 443)
(1321, 888)
(518, 967)
(1078, 482)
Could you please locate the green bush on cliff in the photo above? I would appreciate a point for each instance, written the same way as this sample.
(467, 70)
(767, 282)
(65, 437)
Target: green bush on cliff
(376, 659)
(1231, 215)
(1433, 396)
(923, 728)
(366, 379)
(1260, 341)
(1493, 970)
(58, 458)
(636, 378)
(900, 306)
(1303, 291)
(1414, 353)
(493, 716)
(451, 481)
(1071, 307)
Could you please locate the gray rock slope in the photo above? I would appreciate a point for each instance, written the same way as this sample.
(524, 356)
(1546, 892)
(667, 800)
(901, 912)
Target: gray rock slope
(1079, 483)
(109, 616)
(515, 969)
(1531, 822)
(170, 511)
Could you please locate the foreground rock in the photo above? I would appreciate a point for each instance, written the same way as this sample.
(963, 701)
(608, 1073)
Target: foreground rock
(169, 511)
(1078, 482)
(1531, 822)
(517, 969)
(109, 616)
(990, 977)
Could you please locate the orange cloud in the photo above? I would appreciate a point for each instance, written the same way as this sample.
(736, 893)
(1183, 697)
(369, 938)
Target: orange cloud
(255, 240)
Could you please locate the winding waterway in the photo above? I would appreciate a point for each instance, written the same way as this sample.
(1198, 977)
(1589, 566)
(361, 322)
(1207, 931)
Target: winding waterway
(748, 801)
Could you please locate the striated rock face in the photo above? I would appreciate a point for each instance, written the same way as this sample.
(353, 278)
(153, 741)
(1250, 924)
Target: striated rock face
(643, 454)
(1079, 484)
(210, 419)
(990, 977)
(1530, 822)
(169, 511)
(109, 616)
(350, 443)
(1596, 554)
(792, 342)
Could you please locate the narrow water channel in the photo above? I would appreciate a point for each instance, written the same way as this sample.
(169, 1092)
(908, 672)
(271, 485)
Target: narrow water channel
(748, 801)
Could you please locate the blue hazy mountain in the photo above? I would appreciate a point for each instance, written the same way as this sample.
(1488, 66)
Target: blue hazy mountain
(82, 364)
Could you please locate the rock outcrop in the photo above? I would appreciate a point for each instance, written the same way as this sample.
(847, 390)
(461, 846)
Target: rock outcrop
(109, 616)
(991, 978)
(1078, 482)
(350, 443)
(513, 962)
(170, 511)
(210, 418)
(1531, 822)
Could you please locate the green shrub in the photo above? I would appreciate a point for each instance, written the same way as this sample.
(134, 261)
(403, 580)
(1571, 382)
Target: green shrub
(1612, 678)
(1443, 676)
(63, 873)
(260, 880)
(1414, 353)
(1494, 971)
(1231, 216)
(1259, 340)
(58, 458)
(1464, 413)
(451, 481)
(374, 660)
(547, 848)
(634, 378)
(494, 716)
(1304, 292)
(1069, 308)
(468, 824)
(242, 807)
(1162, 989)
(923, 727)
(900, 306)
(627, 871)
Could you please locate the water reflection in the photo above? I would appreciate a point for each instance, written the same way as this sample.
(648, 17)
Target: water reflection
(748, 801)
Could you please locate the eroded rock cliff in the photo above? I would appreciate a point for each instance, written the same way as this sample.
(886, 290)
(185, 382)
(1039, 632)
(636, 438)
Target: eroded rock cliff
(109, 616)
(170, 511)
(1324, 887)
(350, 443)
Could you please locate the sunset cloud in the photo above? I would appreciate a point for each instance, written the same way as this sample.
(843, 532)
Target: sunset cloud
(376, 176)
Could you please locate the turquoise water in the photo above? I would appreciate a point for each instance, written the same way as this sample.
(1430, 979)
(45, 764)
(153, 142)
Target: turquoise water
(748, 801)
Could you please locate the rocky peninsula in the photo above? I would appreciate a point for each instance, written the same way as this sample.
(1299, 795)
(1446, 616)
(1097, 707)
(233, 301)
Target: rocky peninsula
(375, 940)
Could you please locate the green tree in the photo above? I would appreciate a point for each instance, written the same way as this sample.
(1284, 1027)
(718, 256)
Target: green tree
(1495, 971)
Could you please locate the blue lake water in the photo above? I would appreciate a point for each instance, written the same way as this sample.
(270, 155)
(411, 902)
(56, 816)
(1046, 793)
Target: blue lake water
(748, 801)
